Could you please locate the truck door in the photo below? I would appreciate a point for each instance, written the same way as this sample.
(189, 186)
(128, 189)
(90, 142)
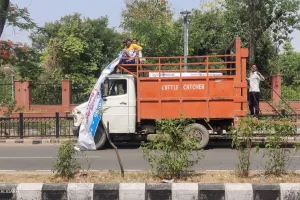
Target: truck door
(115, 99)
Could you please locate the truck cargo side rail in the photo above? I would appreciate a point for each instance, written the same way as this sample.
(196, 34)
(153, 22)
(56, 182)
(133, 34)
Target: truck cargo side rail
(213, 86)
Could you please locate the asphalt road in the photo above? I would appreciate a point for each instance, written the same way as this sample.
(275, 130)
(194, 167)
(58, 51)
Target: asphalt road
(42, 157)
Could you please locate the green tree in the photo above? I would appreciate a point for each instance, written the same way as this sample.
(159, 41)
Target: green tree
(3, 10)
(12, 15)
(289, 65)
(254, 18)
(207, 32)
(23, 59)
(27, 63)
(77, 48)
(224, 20)
(211, 30)
(152, 22)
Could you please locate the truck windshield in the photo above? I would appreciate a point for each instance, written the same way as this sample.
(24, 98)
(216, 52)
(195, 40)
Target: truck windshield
(113, 87)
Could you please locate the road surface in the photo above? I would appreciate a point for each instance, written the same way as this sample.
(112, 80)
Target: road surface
(42, 157)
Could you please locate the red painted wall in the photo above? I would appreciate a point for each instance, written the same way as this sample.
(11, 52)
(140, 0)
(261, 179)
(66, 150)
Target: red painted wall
(23, 99)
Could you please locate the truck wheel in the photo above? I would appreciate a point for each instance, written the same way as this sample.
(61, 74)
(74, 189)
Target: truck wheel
(100, 137)
(201, 134)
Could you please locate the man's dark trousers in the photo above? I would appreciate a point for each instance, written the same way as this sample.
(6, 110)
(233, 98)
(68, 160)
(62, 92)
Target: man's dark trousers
(254, 98)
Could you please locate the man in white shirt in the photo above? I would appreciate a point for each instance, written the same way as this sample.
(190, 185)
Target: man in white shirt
(254, 90)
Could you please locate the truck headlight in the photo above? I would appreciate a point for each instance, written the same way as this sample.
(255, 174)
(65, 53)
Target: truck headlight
(76, 114)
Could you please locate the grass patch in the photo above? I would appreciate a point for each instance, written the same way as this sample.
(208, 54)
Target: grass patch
(148, 177)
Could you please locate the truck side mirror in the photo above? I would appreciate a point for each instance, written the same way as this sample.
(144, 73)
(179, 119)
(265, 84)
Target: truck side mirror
(103, 91)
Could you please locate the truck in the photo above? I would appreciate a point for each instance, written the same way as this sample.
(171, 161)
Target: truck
(210, 89)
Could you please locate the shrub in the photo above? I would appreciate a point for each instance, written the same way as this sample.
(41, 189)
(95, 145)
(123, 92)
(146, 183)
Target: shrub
(170, 152)
(278, 156)
(276, 133)
(242, 139)
(66, 165)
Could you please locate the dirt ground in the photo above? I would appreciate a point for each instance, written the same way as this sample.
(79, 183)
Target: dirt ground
(148, 177)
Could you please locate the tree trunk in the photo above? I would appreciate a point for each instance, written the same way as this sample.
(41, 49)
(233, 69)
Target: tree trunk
(3, 10)
(252, 48)
(252, 30)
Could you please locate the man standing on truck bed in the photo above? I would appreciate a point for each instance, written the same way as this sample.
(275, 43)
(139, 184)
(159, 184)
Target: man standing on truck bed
(132, 51)
(254, 90)
(136, 41)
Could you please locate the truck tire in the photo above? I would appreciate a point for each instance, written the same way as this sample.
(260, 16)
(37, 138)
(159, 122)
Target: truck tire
(100, 137)
(202, 134)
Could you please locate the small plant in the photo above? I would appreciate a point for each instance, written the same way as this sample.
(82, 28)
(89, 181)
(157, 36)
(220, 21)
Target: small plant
(278, 132)
(66, 165)
(242, 139)
(10, 108)
(170, 152)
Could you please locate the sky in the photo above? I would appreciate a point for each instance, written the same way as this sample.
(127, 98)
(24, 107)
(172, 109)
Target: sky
(45, 11)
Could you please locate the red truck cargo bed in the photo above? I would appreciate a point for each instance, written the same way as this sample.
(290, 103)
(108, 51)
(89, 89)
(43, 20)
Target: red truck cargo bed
(214, 87)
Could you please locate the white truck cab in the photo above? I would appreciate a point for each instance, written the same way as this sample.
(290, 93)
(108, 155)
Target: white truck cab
(119, 103)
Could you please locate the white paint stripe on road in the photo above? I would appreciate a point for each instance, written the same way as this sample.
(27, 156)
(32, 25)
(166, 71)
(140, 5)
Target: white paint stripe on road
(7, 171)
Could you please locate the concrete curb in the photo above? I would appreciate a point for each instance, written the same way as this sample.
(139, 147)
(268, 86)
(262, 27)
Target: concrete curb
(36, 141)
(150, 191)
(135, 171)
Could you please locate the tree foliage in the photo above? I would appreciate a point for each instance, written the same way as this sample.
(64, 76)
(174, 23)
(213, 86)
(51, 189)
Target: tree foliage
(211, 29)
(12, 15)
(77, 48)
(23, 59)
(153, 24)
(20, 17)
(254, 18)
(3, 12)
(289, 65)
(207, 32)
(289, 62)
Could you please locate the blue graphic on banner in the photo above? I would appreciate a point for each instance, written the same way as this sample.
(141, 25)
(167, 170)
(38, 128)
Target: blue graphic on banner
(96, 118)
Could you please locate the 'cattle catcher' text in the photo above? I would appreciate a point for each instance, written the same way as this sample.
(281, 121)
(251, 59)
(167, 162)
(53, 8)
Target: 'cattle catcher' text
(185, 87)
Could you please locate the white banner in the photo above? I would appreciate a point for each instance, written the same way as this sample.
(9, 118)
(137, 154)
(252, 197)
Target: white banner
(92, 117)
